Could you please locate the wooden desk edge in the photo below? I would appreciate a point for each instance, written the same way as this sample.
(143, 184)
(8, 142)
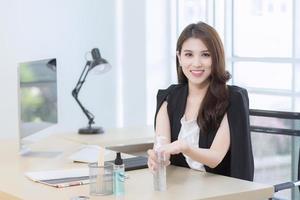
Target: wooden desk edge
(5, 196)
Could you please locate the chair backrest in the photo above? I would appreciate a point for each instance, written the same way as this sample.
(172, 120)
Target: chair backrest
(291, 130)
(276, 122)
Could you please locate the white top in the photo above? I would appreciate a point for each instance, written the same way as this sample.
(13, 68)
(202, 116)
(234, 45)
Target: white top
(189, 132)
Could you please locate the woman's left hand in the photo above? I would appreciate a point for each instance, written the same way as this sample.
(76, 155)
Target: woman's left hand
(176, 147)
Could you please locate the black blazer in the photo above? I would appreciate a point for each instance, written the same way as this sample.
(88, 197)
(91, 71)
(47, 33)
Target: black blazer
(238, 161)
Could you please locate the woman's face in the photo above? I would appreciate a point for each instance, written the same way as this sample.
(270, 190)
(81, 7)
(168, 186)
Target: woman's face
(196, 61)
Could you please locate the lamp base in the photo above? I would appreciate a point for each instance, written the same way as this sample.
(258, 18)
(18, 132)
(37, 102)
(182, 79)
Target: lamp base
(91, 130)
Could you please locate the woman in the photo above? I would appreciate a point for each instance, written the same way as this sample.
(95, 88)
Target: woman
(205, 121)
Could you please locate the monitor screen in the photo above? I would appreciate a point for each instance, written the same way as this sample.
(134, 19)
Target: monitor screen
(37, 96)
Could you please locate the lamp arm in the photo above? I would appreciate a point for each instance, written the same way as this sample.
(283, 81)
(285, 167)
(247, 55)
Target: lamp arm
(76, 90)
(81, 79)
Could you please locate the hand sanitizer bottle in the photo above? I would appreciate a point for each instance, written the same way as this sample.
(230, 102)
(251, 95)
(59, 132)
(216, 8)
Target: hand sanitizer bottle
(119, 175)
(159, 176)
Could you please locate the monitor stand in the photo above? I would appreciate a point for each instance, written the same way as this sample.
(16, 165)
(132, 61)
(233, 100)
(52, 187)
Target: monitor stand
(26, 151)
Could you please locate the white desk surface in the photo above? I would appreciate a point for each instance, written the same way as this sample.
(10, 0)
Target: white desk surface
(182, 183)
(116, 136)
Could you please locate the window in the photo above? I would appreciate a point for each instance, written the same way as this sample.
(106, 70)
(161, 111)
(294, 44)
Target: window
(257, 75)
(263, 28)
(191, 11)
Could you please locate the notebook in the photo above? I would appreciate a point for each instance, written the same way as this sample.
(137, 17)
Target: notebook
(134, 163)
(90, 154)
(61, 178)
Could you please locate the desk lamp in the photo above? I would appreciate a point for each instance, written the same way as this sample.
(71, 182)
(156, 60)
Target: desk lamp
(100, 66)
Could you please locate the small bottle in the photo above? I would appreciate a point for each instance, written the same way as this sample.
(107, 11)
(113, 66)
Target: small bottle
(119, 175)
(159, 176)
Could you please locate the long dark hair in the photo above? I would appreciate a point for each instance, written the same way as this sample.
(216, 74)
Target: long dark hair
(216, 100)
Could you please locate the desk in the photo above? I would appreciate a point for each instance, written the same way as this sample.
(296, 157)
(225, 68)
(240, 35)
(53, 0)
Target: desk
(133, 140)
(182, 183)
(114, 137)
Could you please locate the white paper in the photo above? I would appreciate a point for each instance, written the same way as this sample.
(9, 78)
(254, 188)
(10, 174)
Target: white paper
(88, 154)
(57, 174)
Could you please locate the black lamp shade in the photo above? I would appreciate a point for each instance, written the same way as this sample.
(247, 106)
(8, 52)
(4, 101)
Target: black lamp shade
(97, 59)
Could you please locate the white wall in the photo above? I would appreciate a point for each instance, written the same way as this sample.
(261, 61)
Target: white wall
(66, 30)
(7, 77)
(134, 62)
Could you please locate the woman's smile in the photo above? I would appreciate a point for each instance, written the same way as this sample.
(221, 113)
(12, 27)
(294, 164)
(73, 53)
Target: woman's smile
(197, 72)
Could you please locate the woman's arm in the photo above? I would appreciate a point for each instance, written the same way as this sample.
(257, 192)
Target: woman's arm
(210, 157)
(162, 129)
(163, 122)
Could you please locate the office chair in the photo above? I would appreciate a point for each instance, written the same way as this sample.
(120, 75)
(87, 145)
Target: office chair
(294, 119)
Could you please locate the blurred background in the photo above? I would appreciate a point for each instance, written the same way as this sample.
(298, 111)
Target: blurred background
(138, 38)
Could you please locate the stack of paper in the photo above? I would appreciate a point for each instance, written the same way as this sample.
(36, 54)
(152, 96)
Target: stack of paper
(61, 178)
(88, 154)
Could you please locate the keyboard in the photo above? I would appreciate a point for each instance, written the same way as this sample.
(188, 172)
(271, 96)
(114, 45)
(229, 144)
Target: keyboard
(134, 163)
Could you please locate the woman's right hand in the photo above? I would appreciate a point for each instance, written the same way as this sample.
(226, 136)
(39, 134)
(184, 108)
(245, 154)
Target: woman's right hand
(152, 160)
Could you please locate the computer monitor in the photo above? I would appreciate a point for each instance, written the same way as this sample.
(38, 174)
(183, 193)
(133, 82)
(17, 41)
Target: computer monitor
(37, 98)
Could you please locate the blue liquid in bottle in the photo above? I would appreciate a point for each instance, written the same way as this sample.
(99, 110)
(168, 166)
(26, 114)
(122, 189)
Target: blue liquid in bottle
(119, 176)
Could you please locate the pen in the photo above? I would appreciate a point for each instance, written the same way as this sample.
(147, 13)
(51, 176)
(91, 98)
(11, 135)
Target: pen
(75, 183)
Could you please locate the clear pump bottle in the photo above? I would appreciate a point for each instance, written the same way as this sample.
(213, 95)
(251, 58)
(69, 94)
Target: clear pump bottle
(159, 176)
